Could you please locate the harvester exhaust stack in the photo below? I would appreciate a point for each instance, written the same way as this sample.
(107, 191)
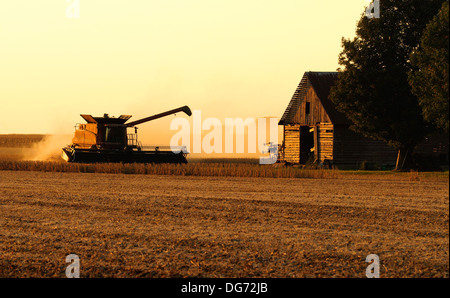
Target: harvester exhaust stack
(105, 139)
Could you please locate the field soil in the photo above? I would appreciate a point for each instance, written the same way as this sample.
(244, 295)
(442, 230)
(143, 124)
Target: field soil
(177, 226)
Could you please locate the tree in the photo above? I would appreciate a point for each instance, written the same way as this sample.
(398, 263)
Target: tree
(429, 79)
(372, 89)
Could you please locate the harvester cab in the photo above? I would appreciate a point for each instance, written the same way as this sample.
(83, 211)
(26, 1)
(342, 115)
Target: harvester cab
(106, 139)
(101, 133)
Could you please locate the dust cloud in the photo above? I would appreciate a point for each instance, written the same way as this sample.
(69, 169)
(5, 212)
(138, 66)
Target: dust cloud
(49, 149)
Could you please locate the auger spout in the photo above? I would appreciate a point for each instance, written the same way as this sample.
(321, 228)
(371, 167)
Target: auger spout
(184, 109)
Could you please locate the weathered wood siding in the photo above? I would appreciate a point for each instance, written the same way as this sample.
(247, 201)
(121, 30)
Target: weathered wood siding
(351, 148)
(316, 113)
(292, 143)
(324, 142)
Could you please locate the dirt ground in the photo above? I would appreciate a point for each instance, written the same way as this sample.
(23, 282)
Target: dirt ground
(174, 226)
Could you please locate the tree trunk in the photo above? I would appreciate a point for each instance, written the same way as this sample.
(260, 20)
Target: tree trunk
(404, 159)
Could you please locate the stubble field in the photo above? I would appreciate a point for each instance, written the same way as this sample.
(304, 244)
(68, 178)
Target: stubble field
(189, 226)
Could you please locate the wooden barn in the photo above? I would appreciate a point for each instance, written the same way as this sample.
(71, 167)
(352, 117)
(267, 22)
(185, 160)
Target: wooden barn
(314, 131)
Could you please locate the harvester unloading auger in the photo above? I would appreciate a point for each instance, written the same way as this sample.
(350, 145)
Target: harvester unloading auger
(105, 139)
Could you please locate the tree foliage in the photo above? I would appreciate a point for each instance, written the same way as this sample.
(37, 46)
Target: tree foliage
(429, 80)
(372, 88)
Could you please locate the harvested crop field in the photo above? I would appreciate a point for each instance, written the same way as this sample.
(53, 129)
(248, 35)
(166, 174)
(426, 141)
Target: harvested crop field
(127, 225)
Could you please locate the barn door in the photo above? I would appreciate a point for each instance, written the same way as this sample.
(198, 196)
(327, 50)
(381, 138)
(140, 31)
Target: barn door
(306, 144)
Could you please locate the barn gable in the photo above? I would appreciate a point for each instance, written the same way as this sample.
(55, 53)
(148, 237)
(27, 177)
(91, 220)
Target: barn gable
(313, 91)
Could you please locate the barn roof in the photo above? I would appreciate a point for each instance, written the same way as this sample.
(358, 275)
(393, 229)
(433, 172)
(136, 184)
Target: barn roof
(322, 83)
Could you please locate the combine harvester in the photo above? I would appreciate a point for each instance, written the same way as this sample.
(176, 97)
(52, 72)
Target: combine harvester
(105, 139)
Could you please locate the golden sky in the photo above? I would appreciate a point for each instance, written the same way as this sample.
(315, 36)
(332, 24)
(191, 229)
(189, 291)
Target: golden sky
(227, 58)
